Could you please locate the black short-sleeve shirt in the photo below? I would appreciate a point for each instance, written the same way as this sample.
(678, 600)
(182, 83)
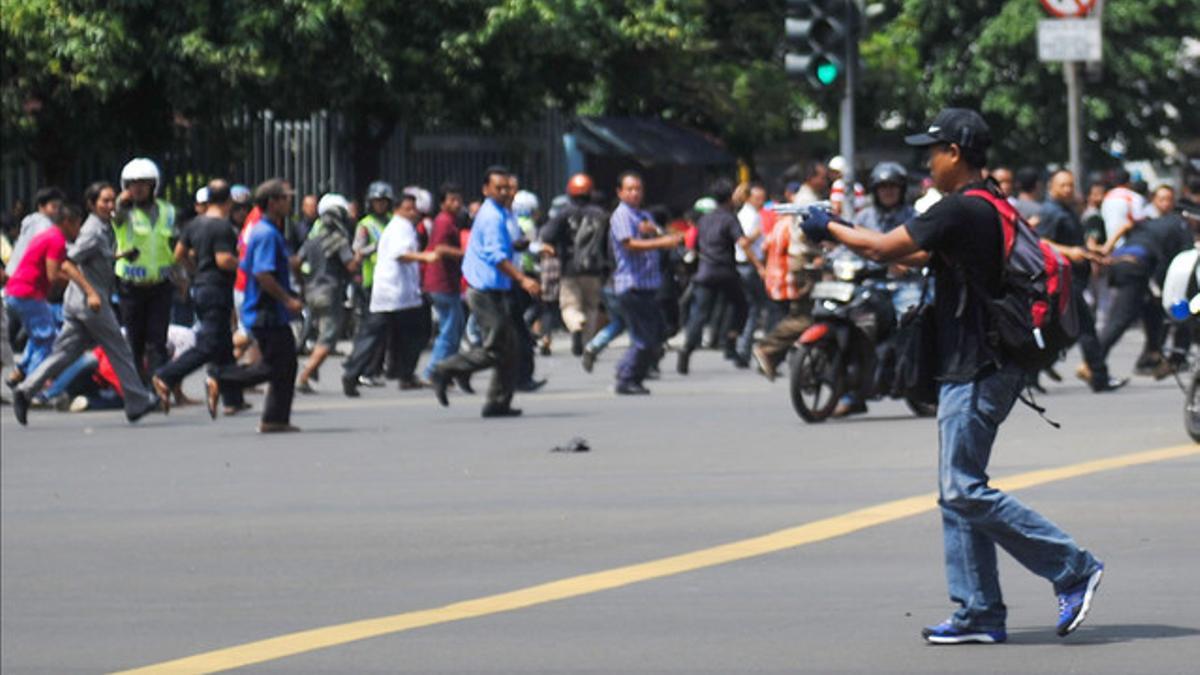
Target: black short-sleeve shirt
(208, 237)
(964, 235)
(718, 234)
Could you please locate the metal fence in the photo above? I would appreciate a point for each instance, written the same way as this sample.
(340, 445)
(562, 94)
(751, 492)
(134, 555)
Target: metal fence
(314, 154)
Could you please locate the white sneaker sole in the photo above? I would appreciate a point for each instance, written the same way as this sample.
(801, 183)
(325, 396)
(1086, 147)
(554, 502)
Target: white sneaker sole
(966, 638)
(1093, 584)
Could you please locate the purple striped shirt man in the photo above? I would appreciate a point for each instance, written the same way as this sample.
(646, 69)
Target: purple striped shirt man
(636, 270)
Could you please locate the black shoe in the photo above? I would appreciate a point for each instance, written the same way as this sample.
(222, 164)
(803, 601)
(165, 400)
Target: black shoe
(350, 387)
(1109, 384)
(630, 389)
(653, 373)
(531, 386)
(681, 363)
(500, 411)
(155, 404)
(588, 360)
(741, 363)
(20, 405)
(463, 382)
(1053, 374)
(577, 343)
(439, 383)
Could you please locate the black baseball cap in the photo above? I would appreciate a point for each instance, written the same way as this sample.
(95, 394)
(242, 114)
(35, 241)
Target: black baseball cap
(961, 126)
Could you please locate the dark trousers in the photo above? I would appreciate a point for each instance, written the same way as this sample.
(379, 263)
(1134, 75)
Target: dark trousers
(498, 349)
(519, 304)
(1131, 298)
(145, 315)
(400, 333)
(646, 333)
(214, 340)
(1089, 342)
(785, 333)
(277, 367)
(704, 298)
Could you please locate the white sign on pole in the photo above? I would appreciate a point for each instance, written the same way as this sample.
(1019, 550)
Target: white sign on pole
(1069, 40)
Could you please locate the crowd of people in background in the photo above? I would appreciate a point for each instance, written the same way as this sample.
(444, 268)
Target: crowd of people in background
(114, 301)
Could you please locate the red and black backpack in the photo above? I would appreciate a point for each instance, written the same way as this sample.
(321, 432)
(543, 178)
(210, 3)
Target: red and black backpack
(1034, 319)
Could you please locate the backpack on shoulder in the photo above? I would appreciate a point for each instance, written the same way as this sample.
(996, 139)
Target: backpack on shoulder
(1034, 319)
(589, 232)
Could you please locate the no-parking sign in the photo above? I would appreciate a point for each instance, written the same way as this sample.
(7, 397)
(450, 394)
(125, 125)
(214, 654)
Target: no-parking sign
(1068, 8)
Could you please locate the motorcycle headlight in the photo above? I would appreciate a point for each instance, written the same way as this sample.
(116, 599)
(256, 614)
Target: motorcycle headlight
(847, 270)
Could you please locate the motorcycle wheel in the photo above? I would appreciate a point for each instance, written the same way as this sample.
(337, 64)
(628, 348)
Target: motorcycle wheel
(816, 381)
(921, 408)
(1191, 409)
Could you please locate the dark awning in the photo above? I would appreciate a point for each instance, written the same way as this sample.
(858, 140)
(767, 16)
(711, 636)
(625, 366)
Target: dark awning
(649, 141)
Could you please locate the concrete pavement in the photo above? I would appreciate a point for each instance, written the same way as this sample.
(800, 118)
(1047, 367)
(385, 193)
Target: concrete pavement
(127, 546)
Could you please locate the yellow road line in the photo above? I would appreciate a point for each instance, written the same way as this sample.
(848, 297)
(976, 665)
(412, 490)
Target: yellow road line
(820, 530)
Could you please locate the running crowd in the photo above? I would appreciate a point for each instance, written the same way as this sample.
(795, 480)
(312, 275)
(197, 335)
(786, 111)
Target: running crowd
(114, 303)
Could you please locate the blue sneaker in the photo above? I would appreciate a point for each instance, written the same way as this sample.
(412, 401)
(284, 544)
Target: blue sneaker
(946, 633)
(1074, 604)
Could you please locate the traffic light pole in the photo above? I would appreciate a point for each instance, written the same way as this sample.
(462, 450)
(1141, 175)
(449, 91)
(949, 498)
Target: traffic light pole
(850, 84)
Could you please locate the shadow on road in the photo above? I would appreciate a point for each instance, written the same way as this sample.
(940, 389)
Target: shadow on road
(1101, 634)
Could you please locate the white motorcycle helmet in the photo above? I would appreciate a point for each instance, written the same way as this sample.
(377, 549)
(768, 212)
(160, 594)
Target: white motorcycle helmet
(524, 204)
(140, 168)
(333, 201)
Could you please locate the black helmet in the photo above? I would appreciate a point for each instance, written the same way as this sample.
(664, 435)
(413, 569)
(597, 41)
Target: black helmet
(888, 172)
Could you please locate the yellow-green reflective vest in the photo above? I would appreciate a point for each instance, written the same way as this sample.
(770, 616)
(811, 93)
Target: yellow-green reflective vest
(374, 230)
(152, 240)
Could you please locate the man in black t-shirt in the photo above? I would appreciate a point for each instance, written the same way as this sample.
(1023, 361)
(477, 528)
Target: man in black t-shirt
(719, 234)
(209, 246)
(1060, 226)
(961, 237)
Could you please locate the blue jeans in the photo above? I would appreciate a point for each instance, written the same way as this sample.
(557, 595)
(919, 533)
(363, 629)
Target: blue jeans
(614, 327)
(756, 299)
(451, 319)
(40, 326)
(63, 380)
(977, 517)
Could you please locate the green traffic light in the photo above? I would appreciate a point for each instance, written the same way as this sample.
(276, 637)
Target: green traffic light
(827, 73)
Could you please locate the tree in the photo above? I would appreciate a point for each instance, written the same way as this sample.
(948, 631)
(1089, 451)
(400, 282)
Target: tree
(81, 76)
(983, 54)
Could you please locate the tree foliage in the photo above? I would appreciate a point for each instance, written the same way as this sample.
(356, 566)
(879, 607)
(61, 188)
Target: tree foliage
(85, 76)
(983, 54)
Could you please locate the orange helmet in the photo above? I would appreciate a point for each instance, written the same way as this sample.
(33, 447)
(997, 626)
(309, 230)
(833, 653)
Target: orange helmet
(580, 185)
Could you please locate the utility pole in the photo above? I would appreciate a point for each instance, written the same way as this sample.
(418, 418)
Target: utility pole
(1074, 139)
(849, 84)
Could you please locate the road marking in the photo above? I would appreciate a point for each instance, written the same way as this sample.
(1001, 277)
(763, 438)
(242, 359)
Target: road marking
(820, 530)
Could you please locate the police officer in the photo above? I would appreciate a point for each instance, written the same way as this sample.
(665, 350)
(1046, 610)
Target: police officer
(145, 224)
(380, 198)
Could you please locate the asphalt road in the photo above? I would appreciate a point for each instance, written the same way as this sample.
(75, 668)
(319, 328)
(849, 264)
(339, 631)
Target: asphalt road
(129, 546)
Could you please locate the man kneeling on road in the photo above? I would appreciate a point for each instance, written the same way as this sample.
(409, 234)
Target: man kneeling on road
(979, 386)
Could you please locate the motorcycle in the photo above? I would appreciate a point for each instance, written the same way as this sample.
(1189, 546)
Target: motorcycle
(847, 349)
(1181, 302)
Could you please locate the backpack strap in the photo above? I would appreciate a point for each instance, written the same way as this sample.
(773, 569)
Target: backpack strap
(1008, 216)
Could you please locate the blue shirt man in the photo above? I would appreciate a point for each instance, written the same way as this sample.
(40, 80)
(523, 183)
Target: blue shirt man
(488, 268)
(266, 251)
(488, 246)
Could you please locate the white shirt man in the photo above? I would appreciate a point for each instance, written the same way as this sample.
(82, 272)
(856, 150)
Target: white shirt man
(397, 283)
(751, 222)
(1121, 206)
